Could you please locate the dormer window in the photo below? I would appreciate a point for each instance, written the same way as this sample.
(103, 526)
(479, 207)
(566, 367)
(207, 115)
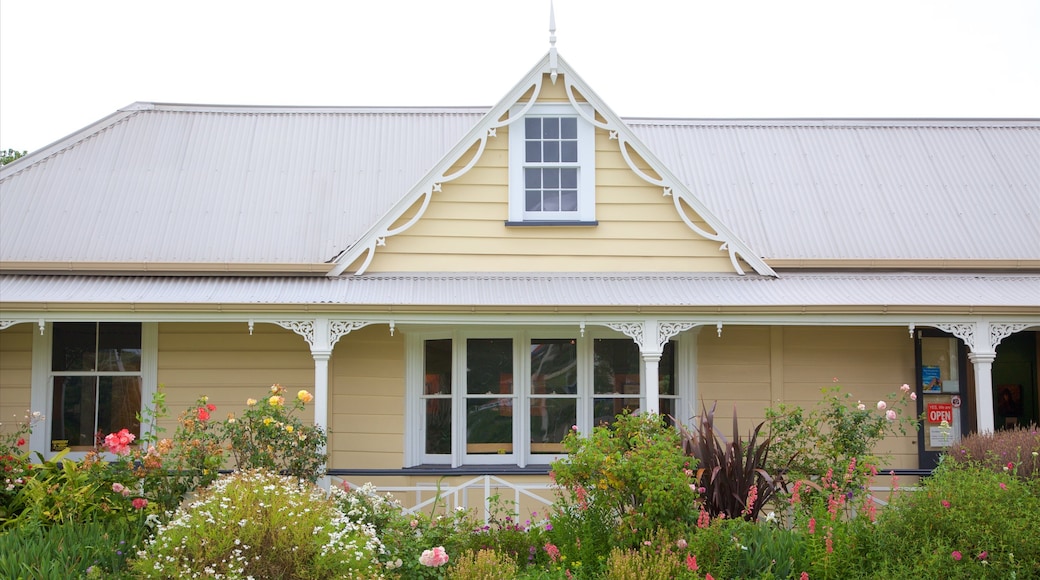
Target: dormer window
(552, 168)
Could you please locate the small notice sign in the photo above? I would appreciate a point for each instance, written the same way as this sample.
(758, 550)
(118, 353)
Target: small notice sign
(939, 412)
(956, 401)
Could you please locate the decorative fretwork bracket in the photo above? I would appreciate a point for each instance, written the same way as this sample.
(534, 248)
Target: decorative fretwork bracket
(310, 330)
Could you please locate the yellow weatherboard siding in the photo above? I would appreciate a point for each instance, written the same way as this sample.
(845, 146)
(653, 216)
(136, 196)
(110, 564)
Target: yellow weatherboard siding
(464, 227)
(366, 400)
(225, 363)
(754, 367)
(15, 375)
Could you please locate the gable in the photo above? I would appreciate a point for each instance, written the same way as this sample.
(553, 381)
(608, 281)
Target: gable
(650, 221)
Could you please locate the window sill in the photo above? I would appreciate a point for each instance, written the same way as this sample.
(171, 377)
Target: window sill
(550, 223)
(428, 469)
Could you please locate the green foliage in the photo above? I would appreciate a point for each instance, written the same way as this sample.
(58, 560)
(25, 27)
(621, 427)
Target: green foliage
(985, 517)
(768, 551)
(832, 433)
(15, 464)
(270, 436)
(483, 565)
(634, 468)
(65, 491)
(581, 536)
(69, 550)
(733, 473)
(10, 155)
(256, 523)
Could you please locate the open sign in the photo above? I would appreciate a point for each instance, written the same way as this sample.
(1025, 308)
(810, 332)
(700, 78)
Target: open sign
(939, 412)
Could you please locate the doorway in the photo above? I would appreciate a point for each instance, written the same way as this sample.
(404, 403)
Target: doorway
(1016, 388)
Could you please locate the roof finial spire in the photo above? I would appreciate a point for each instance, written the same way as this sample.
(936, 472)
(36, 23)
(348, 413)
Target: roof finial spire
(552, 43)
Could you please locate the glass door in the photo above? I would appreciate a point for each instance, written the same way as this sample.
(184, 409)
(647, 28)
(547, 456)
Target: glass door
(942, 394)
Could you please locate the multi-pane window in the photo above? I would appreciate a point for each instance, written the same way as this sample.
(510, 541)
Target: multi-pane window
(512, 398)
(551, 164)
(95, 381)
(552, 167)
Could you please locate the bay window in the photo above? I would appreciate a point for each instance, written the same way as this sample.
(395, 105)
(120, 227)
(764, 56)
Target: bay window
(510, 397)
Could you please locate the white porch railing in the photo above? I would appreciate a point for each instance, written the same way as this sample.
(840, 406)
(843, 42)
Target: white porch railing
(482, 488)
(426, 496)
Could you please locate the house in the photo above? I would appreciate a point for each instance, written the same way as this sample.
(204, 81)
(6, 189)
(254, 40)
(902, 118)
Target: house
(461, 286)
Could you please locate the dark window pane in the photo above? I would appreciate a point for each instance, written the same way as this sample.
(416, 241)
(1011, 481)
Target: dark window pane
(666, 370)
(554, 366)
(532, 178)
(119, 401)
(533, 201)
(73, 404)
(550, 128)
(438, 426)
(606, 410)
(569, 200)
(533, 128)
(615, 366)
(569, 178)
(119, 346)
(437, 367)
(74, 346)
(551, 200)
(551, 420)
(551, 151)
(569, 151)
(534, 151)
(489, 425)
(550, 178)
(489, 366)
(569, 127)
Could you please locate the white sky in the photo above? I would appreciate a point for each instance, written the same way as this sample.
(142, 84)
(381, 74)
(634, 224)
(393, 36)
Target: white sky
(65, 64)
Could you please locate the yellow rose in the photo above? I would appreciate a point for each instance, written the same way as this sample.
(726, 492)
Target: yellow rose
(268, 420)
(288, 428)
(304, 396)
(276, 401)
(250, 402)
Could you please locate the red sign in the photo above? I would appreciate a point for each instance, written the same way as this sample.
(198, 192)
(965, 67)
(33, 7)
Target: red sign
(939, 412)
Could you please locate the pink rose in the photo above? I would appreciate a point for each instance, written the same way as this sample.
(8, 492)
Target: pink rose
(890, 415)
(881, 405)
(434, 558)
(139, 503)
(956, 555)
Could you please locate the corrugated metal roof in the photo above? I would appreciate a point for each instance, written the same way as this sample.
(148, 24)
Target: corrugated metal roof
(864, 189)
(224, 184)
(548, 289)
(221, 184)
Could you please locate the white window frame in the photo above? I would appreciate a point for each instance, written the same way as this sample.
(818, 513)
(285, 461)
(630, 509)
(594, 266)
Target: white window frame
(586, 165)
(41, 397)
(521, 456)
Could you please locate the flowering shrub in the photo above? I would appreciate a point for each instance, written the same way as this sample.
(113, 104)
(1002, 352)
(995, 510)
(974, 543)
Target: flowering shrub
(406, 536)
(634, 468)
(834, 432)
(258, 524)
(270, 436)
(15, 466)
